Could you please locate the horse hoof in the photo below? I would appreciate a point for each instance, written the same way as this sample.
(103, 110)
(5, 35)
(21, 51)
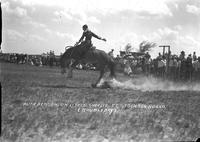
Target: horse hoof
(94, 85)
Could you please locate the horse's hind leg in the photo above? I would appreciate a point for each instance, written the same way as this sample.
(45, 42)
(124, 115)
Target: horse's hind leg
(102, 71)
(112, 69)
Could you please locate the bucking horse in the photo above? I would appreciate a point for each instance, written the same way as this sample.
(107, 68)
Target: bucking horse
(93, 56)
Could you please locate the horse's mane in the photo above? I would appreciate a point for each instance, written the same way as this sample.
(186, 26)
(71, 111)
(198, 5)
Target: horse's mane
(69, 50)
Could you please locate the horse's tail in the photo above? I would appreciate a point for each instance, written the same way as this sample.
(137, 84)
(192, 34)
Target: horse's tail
(112, 68)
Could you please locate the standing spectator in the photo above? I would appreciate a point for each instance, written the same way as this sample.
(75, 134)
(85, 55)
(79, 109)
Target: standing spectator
(127, 69)
(194, 56)
(111, 53)
(147, 61)
(188, 69)
(147, 55)
(117, 58)
(196, 66)
(159, 55)
(182, 55)
(178, 70)
(173, 65)
(51, 58)
(161, 67)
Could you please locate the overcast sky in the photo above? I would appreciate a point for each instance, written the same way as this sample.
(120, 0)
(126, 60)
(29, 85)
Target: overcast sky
(37, 26)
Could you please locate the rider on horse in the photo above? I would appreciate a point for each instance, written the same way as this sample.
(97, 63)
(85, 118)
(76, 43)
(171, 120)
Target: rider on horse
(87, 43)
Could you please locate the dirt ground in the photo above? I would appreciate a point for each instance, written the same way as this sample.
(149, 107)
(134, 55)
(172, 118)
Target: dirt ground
(41, 105)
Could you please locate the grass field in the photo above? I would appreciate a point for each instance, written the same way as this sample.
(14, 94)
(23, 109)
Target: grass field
(41, 105)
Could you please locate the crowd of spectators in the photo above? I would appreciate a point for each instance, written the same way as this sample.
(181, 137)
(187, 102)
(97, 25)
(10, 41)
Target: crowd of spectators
(181, 67)
(47, 59)
(170, 66)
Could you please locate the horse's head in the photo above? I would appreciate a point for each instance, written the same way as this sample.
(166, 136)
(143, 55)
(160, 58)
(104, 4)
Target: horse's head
(65, 59)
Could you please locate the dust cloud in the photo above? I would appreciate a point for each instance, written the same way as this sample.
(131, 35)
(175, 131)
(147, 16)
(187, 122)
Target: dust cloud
(150, 84)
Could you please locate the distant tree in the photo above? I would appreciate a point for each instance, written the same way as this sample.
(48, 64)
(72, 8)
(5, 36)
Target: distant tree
(146, 46)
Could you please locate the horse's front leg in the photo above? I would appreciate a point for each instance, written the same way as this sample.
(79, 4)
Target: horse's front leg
(70, 72)
(71, 67)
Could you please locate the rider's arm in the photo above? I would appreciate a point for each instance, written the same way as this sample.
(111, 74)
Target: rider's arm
(82, 37)
(96, 36)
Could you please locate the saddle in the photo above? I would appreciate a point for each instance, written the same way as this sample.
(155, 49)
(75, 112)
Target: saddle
(84, 50)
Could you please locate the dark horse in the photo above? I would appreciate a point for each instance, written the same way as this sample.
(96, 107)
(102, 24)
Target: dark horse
(93, 55)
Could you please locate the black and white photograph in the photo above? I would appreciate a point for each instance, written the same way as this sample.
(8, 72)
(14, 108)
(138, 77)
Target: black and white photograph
(100, 70)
